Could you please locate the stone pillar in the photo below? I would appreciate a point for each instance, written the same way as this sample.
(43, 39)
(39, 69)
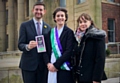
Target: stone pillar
(11, 22)
(95, 11)
(2, 26)
(98, 16)
(63, 3)
(15, 25)
(21, 13)
(71, 13)
(31, 3)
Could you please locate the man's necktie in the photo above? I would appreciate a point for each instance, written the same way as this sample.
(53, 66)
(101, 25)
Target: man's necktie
(38, 28)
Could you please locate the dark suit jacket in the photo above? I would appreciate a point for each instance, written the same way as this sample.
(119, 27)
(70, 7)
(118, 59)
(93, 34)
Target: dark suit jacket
(30, 59)
(66, 40)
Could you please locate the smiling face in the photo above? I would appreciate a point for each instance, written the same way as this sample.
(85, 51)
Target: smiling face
(60, 18)
(84, 24)
(84, 21)
(38, 11)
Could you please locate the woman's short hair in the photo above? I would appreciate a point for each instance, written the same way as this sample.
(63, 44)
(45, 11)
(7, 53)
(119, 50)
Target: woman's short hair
(60, 9)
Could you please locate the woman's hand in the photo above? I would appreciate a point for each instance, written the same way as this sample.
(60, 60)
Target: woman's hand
(95, 82)
(51, 67)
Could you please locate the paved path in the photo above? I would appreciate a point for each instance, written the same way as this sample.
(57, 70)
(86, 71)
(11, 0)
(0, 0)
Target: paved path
(14, 62)
(112, 80)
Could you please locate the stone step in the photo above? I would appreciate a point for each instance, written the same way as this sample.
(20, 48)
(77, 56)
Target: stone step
(10, 54)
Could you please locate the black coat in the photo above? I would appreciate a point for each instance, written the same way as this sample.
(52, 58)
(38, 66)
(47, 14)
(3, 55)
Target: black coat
(66, 40)
(92, 53)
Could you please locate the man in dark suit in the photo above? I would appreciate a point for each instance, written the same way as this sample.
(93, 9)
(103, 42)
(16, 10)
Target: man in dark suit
(31, 63)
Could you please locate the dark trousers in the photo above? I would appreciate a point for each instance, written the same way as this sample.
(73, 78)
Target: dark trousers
(36, 76)
(87, 82)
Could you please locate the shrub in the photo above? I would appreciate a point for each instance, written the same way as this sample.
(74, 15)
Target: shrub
(107, 52)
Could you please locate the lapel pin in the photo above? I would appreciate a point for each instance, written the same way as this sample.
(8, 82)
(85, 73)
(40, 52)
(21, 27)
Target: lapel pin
(45, 26)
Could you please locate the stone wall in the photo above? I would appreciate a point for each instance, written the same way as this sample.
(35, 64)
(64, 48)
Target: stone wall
(10, 75)
(9, 70)
(112, 67)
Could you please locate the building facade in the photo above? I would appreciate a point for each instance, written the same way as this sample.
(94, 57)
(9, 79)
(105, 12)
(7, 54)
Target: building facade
(110, 23)
(105, 14)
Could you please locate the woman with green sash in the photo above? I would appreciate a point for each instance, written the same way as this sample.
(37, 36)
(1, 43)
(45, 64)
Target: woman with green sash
(59, 46)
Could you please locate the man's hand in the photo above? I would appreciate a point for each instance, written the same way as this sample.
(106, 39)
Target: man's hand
(32, 44)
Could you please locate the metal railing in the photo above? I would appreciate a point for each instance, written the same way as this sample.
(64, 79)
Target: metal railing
(10, 52)
(114, 44)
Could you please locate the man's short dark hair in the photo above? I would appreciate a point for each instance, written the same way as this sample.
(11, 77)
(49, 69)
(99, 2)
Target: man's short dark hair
(39, 3)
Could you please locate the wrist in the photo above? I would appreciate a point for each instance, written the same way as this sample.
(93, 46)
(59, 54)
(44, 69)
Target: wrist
(48, 64)
(27, 48)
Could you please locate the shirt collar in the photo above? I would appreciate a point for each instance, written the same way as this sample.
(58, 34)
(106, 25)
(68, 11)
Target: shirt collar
(35, 21)
(61, 29)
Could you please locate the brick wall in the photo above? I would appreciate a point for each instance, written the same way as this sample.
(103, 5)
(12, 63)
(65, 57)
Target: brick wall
(118, 1)
(111, 11)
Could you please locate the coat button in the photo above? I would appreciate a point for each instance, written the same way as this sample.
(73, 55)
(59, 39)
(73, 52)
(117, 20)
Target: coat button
(81, 66)
(81, 74)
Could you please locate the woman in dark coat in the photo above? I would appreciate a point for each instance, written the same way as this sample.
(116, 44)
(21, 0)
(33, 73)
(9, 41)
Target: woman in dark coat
(59, 46)
(89, 51)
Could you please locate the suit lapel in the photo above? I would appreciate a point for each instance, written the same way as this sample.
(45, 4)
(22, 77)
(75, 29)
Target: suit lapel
(63, 33)
(33, 27)
(43, 30)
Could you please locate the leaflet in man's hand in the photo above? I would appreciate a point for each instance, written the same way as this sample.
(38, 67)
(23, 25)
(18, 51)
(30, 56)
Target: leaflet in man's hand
(40, 44)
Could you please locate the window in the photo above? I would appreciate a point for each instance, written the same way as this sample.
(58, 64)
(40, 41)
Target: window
(111, 0)
(111, 30)
(7, 17)
(41, 0)
(62, 3)
(80, 1)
